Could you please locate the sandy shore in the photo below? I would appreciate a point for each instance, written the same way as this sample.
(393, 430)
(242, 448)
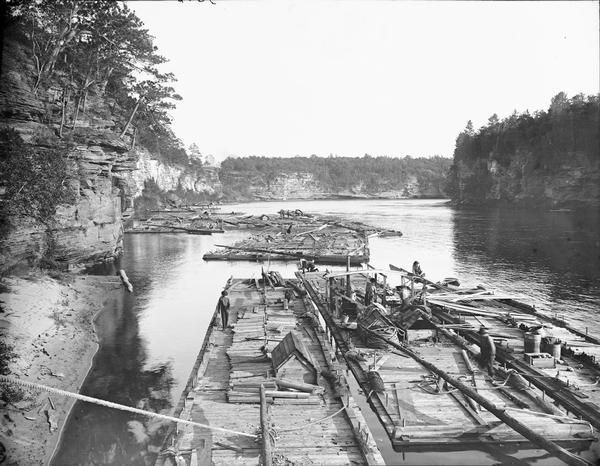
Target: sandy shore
(47, 324)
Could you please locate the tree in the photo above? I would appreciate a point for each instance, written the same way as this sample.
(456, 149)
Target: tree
(35, 180)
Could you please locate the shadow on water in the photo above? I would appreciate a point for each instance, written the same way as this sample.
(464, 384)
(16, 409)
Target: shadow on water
(97, 435)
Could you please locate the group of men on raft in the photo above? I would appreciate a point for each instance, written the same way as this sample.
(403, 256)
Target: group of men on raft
(488, 347)
(487, 354)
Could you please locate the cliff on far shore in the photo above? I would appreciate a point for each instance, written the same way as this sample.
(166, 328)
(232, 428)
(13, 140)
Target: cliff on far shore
(550, 158)
(262, 178)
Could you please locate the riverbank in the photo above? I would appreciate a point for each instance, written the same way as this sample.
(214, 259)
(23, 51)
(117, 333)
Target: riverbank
(47, 327)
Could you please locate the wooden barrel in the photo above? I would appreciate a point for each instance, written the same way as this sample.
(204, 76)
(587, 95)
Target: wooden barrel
(532, 342)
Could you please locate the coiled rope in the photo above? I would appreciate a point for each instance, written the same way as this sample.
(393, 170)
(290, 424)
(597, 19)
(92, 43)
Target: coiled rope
(110, 404)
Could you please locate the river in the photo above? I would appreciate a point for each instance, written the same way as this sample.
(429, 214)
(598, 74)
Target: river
(150, 339)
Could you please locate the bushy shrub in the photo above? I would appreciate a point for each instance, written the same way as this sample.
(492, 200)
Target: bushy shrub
(34, 180)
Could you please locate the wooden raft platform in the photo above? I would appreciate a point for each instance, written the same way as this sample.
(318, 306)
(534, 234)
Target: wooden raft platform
(575, 384)
(422, 413)
(322, 427)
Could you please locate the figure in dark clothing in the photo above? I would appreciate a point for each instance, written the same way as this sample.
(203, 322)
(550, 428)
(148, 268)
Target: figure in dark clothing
(287, 298)
(224, 309)
(416, 269)
(370, 292)
(488, 351)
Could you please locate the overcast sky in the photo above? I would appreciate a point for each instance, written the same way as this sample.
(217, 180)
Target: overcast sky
(349, 77)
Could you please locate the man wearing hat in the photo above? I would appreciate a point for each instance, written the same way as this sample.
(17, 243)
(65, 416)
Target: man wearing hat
(224, 308)
(488, 351)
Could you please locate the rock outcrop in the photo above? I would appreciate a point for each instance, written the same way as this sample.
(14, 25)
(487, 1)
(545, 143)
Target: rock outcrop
(550, 158)
(172, 177)
(574, 183)
(105, 173)
(239, 186)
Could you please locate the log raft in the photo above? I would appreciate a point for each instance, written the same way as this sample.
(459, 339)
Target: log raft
(236, 386)
(421, 414)
(325, 240)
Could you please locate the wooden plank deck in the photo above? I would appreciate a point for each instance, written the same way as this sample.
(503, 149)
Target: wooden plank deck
(576, 386)
(428, 415)
(226, 393)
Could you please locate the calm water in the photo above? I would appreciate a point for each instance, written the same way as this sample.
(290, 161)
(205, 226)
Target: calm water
(150, 339)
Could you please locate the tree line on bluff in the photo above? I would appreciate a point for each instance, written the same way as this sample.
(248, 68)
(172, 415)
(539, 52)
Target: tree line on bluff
(339, 173)
(550, 139)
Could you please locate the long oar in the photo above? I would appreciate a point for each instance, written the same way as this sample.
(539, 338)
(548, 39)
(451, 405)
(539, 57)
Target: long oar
(501, 414)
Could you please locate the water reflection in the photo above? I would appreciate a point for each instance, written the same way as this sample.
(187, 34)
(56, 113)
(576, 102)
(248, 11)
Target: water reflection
(97, 435)
(554, 256)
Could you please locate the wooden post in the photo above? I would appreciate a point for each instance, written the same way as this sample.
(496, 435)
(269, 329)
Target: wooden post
(348, 283)
(500, 413)
(331, 296)
(383, 297)
(267, 454)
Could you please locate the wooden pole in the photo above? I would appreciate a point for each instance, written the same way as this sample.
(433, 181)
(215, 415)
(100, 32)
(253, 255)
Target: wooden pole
(500, 413)
(428, 282)
(264, 427)
(348, 283)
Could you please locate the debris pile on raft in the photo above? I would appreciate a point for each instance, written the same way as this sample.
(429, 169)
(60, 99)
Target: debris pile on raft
(295, 235)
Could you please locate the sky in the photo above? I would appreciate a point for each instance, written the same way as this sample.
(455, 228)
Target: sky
(350, 77)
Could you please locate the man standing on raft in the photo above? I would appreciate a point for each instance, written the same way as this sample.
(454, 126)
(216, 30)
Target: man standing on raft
(224, 308)
(488, 351)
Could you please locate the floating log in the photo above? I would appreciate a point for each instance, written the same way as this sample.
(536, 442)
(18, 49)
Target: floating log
(500, 413)
(192, 231)
(125, 280)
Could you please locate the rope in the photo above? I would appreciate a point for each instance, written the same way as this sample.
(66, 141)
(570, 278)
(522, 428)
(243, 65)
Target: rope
(109, 404)
(314, 422)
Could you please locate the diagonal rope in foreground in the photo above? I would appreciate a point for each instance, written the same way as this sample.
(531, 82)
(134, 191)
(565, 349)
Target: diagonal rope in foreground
(110, 404)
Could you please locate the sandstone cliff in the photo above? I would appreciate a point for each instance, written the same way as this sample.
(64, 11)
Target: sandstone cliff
(574, 183)
(237, 186)
(204, 182)
(551, 158)
(334, 177)
(104, 172)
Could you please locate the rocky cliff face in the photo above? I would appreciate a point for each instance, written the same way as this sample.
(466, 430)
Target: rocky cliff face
(576, 182)
(104, 174)
(90, 228)
(238, 186)
(173, 177)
